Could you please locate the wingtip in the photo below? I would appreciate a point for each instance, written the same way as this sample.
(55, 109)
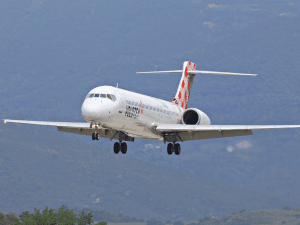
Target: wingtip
(4, 121)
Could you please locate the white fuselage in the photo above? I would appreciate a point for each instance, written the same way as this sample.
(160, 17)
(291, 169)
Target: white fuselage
(134, 114)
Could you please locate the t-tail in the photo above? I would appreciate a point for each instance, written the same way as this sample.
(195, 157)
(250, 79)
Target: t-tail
(188, 73)
(184, 88)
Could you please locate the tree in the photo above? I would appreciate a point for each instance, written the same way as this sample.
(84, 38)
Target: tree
(101, 223)
(152, 221)
(85, 219)
(8, 218)
(48, 217)
(35, 218)
(66, 217)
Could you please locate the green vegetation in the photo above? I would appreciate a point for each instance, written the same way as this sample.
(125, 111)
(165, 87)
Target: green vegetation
(49, 217)
(101, 223)
(8, 219)
(65, 216)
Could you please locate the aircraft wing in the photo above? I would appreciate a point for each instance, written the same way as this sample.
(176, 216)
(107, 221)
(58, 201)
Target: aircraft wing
(53, 124)
(181, 132)
(77, 128)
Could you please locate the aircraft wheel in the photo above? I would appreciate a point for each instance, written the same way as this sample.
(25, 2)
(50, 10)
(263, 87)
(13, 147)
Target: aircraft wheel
(116, 147)
(170, 148)
(123, 148)
(93, 136)
(97, 136)
(177, 149)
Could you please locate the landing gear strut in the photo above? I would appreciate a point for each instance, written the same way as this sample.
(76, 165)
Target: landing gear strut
(174, 148)
(120, 146)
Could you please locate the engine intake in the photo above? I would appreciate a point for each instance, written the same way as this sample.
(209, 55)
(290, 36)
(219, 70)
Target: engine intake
(195, 117)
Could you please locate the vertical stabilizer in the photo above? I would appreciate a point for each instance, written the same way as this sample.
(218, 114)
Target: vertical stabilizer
(185, 85)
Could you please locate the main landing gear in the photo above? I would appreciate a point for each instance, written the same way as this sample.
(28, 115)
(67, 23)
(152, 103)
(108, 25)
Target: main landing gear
(173, 148)
(120, 146)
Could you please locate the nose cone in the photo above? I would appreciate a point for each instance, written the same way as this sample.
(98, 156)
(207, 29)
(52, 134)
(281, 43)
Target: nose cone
(90, 111)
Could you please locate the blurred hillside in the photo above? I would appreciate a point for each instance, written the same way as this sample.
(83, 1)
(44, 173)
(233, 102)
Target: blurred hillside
(42, 168)
(273, 217)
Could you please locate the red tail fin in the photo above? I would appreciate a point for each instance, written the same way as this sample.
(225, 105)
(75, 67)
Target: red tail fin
(185, 85)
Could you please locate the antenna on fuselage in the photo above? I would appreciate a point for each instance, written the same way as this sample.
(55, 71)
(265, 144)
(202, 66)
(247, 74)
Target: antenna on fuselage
(117, 85)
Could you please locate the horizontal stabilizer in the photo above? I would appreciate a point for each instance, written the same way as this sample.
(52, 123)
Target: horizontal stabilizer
(197, 72)
(162, 72)
(218, 73)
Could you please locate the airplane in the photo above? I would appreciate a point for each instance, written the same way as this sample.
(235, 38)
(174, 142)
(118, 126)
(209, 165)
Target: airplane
(115, 113)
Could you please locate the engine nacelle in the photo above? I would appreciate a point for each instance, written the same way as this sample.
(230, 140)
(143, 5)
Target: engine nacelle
(195, 117)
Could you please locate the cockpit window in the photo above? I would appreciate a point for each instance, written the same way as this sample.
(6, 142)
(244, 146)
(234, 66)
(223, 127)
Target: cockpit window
(111, 97)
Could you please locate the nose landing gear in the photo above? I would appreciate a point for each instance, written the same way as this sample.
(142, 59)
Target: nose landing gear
(174, 148)
(95, 136)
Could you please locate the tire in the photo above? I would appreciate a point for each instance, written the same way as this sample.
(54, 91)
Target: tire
(177, 149)
(116, 147)
(170, 148)
(123, 148)
(93, 136)
(97, 136)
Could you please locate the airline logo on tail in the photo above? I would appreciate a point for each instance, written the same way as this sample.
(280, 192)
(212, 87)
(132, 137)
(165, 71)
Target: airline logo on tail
(185, 85)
